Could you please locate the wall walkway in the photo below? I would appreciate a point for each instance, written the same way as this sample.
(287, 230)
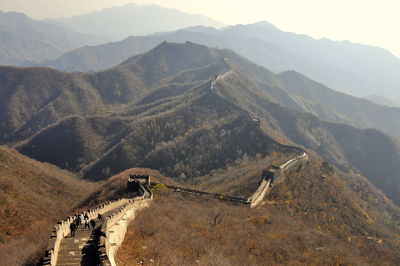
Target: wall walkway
(94, 246)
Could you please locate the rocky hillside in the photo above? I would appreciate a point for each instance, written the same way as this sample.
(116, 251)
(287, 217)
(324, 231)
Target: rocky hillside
(33, 196)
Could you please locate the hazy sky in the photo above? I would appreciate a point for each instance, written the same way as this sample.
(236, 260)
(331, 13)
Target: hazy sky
(373, 22)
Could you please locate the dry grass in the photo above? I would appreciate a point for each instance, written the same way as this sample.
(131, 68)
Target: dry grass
(241, 178)
(33, 196)
(306, 221)
(177, 231)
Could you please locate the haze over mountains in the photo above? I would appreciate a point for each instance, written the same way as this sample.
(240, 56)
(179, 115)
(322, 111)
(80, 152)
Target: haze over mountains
(355, 69)
(352, 68)
(23, 39)
(306, 95)
(120, 22)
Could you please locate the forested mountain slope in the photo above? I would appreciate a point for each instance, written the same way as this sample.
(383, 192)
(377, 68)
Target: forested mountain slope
(305, 94)
(182, 109)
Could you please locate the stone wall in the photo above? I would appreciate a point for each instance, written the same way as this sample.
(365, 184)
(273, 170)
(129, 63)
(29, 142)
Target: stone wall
(275, 173)
(121, 212)
(222, 197)
(61, 229)
(260, 193)
(114, 228)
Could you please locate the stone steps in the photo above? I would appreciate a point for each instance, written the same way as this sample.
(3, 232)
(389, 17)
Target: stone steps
(72, 248)
(72, 260)
(80, 249)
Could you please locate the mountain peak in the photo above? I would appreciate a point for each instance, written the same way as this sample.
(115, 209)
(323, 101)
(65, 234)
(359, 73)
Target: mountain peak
(265, 24)
(122, 21)
(177, 50)
(14, 14)
(201, 29)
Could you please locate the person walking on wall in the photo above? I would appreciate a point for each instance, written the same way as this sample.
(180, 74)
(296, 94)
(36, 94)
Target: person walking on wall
(93, 223)
(79, 219)
(87, 222)
(76, 221)
(72, 227)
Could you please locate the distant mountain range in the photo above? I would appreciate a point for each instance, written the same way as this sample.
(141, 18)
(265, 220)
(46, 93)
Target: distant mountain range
(321, 101)
(23, 39)
(352, 68)
(117, 23)
(163, 110)
(382, 100)
(356, 69)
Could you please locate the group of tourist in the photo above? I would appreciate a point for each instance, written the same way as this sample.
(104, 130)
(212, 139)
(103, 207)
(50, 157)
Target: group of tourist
(82, 219)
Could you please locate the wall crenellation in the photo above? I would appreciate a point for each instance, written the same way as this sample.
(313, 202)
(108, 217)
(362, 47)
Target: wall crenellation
(116, 216)
(112, 231)
(271, 174)
(62, 229)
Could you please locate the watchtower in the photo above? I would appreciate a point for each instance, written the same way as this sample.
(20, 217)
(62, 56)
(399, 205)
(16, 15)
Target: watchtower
(138, 184)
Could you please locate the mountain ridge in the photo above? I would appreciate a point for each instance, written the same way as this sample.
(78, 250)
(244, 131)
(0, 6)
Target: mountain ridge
(342, 65)
(170, 115)
(24, 39)
(120, 22)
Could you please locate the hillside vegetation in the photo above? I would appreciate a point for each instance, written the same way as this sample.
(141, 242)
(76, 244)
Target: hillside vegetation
(167, 110)
(312, 217)
(33, 196)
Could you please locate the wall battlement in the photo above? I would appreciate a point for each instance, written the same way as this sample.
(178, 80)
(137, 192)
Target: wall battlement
(123, 210)
(62, 229)
(273, 173)
(113, 229)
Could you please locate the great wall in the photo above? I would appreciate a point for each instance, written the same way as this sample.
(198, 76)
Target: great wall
(97, 246)
(100, 245)
(268, 176)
